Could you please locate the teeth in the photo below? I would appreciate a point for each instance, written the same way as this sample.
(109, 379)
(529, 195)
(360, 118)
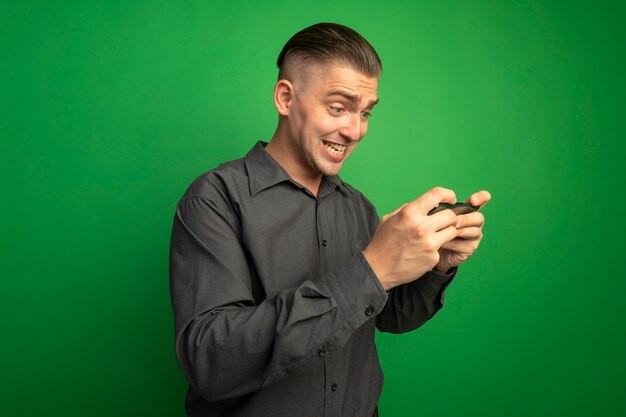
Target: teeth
(335, 148)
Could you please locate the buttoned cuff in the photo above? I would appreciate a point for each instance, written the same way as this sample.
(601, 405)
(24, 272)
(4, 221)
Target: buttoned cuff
(357, 290)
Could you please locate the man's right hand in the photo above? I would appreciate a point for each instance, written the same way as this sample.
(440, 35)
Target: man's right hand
(406, 243)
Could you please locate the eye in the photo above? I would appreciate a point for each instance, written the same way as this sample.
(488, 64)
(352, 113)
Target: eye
(336, 110)
(365, 115)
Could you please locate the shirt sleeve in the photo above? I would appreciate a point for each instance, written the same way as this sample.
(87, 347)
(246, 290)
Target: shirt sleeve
(229, 344)
(413, 304)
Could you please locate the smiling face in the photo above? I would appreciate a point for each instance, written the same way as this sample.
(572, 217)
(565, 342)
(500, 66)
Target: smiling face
(324, 114)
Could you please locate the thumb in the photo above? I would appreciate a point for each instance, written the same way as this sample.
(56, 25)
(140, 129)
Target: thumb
(393, 213)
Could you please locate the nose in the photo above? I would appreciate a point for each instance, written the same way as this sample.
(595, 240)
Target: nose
(352, 128)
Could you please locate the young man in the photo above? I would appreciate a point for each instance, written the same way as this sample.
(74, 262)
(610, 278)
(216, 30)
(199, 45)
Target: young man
(280, 271)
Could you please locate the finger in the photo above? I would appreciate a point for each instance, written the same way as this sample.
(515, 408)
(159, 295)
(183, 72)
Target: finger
(470, 220)
(463, 246)
(470, 233)
(431, 198)
(481, 198)
(442, 219)
(445, 235)
(393, 213)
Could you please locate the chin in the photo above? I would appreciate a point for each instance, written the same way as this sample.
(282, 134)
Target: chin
(325, 167)
(331, 172)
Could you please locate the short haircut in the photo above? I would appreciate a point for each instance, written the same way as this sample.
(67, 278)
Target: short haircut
(330, 42)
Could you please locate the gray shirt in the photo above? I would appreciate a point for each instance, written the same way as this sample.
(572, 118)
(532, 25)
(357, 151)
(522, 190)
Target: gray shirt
(275, 306)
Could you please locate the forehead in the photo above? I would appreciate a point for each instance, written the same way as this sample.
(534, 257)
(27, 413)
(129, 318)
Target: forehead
(329, 78)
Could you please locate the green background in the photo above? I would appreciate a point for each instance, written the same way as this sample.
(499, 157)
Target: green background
(110, 109)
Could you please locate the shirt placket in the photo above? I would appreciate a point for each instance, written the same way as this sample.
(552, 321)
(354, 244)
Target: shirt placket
(332, 363)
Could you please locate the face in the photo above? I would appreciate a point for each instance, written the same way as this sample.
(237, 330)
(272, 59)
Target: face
(328, 116)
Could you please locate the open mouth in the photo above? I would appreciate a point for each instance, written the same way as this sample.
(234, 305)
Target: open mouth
(335, 148)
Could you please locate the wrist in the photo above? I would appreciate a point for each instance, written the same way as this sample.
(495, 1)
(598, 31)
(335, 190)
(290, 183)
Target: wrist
(442, 269)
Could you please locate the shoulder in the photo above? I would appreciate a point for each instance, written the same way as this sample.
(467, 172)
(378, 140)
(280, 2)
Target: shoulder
(220, 182)
(213, 195)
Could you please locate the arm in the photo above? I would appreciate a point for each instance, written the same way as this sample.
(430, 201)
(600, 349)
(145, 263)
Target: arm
(227, 342)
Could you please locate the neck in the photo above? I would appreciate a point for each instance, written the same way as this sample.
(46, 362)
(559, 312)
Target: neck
(281, 150)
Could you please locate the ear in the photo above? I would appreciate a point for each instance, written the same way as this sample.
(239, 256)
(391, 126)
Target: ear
(283, 96)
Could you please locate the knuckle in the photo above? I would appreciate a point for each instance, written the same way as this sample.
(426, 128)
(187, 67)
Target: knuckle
(420, 230)
(446, 193)
(438, 191)
(405, 215)
(429, 246)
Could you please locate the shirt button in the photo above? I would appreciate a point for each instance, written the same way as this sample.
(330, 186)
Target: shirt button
(334, 387)
(323, 353)
(369, 311)
(324, 243)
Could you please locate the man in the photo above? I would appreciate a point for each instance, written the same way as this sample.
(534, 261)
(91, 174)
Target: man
(280, 271)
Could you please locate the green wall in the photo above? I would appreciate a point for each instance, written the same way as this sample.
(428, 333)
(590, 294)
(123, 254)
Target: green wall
(110, 109)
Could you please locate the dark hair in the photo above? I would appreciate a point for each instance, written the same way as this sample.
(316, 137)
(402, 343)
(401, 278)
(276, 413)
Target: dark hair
(325, 42)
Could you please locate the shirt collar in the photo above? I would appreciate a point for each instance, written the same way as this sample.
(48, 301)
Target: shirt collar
(264, 171)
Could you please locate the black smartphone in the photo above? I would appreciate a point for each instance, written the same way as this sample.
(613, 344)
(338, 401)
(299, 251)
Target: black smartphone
(458, 208)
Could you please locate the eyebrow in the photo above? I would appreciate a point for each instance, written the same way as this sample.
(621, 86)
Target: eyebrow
(350, 97)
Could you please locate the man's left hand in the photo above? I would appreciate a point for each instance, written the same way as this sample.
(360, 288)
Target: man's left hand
(469, 234)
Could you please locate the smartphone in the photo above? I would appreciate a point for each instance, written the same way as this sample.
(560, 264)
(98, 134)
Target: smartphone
(458, 208)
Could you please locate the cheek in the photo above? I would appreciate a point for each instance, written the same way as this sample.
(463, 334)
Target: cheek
(364, 127)
(328, 124)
